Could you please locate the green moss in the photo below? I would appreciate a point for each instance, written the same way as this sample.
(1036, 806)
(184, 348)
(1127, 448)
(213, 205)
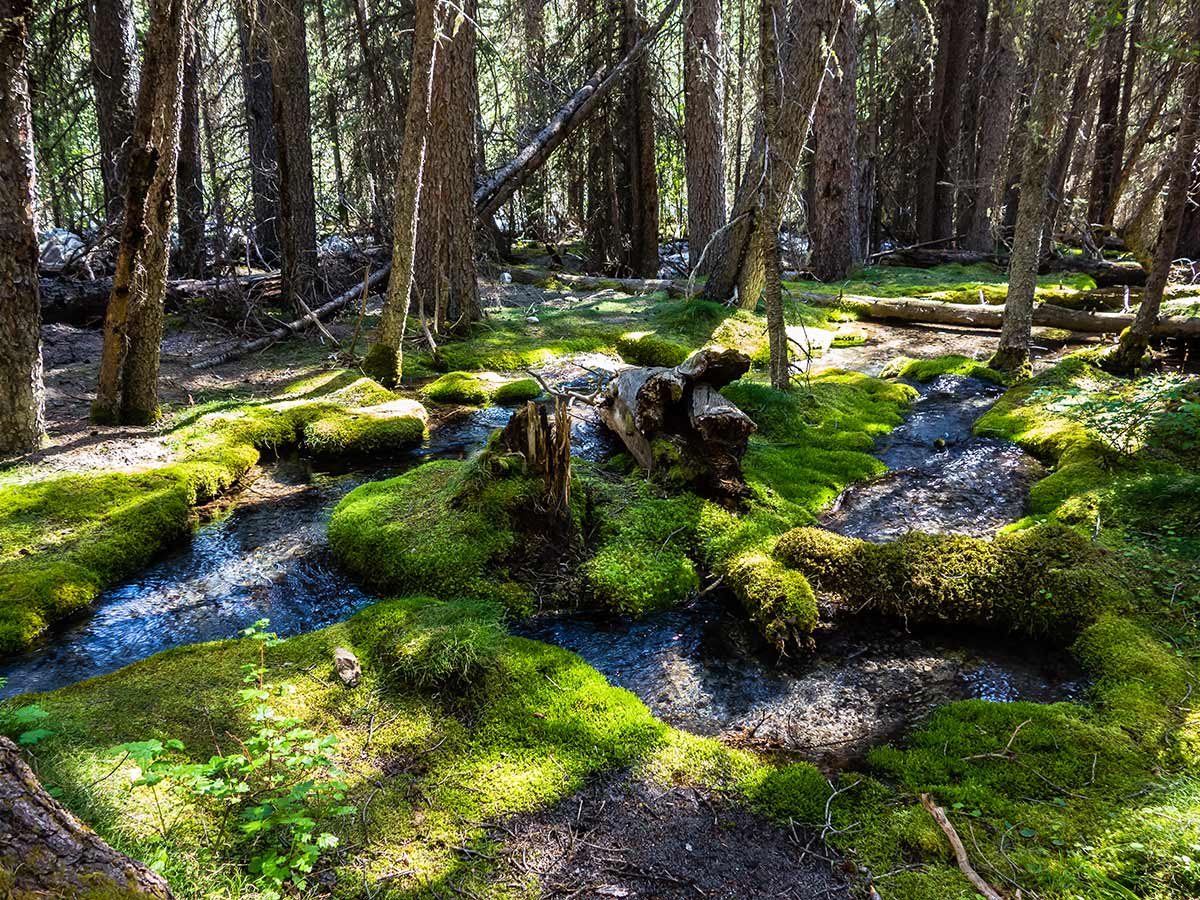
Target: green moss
(928, 369)
(383, 364)
(455, 643)
(371, 430)
(651, 350)
(1045, 581)
(515, 392)
(458, 387)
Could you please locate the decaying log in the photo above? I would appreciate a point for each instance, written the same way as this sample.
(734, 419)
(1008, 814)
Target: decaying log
(705, 436)
(83, 303)
(46, 852)
(916, 309)
(311, 317)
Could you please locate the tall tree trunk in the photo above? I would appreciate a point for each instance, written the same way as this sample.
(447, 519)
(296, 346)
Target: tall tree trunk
(804, 54)
(833, 215)
(113, 48)
(995, 119)
(128, 385)
(331, 119)
(1134, 341)
(385, 361)
(189, 178)
(534, 113)
(1109, 140)
(642, 214)
(21, 397)
(1048, 26)
(292, 116)
(703, 120)
(253, 43)
(378, 146)
(935, 200)
(1056, 183)
(770, 24)
(972, 100)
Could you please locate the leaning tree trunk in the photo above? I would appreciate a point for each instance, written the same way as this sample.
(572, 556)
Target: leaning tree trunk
(995, 118)
(113, 47)
(292, 115)
(703, 121)
(46, 852)
(260, 128)
(21, 397)
(128, 386)
(384, 362)
(444, 285)
(1136, 339)
(833, 220)
(188, 177)
(804, 54)
(1049, 23)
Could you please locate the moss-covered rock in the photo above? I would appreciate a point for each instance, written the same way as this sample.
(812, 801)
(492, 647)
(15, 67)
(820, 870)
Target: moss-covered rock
(651, 350)
(952, 364)
(1046, 581)
(464, 388)
(512, 393)
(393, 425)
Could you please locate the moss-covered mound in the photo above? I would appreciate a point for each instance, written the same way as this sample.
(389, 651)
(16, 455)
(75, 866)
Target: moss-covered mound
(64, 539)
(478, 389)
(952, 364)
(651, 350)
(1047, 581)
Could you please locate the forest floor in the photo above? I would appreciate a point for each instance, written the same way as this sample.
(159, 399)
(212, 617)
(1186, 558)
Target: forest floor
(534, 776)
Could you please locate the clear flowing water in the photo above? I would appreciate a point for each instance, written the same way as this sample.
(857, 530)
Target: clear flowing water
(941, 478)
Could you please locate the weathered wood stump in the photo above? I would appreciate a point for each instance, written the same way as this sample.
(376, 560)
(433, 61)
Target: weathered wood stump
(545, 448)
(676, 424)
(46, 852)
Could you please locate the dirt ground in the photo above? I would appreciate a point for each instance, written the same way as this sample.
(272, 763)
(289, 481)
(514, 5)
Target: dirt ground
(626, 837)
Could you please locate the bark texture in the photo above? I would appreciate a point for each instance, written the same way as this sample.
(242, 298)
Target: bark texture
(1109, 138)
(189, 174)
(704, 137)
(834, 216)
(21, 395)
(292, 115)
(128, 385)
(46, 851)
(114, 56)
(260, 127)
(770, 209)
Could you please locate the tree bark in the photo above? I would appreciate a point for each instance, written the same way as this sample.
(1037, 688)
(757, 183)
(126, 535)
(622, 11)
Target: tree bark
(1057, 179)
(704, 137)
(128, 384)
(292, 115)
(46, 852)
(1136, 339)
(384, 362)
(1049, 28)
(642, 218)
(331, 119)
(804, 54)
(114, 57)
(189, 177)
(771, 16)
(1109, 140)
(21, 396)
(834, 217)
(260, 128)
(534, 111)
(995, 119)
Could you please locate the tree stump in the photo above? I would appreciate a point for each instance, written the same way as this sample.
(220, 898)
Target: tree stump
(545, 448)
(676, 424)
(46, 851)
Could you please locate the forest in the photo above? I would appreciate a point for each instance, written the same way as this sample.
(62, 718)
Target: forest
(509, 449)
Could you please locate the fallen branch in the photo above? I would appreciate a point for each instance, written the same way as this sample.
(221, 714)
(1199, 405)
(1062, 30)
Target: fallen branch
(290, 328)
(960, 852)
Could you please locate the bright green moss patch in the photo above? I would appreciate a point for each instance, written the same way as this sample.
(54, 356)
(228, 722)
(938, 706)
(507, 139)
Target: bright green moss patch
(928, 369)
(444, 644)
(458, 387)
(513, 392)
(1045, 582)
(651, 350)
(64, 539)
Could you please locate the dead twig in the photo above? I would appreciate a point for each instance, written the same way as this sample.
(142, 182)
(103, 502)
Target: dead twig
(960, 852)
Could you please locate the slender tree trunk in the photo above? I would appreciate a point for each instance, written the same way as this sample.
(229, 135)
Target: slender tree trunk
(972, 100)
(806, 47)
(189, 178)
(771, 23)
(378, 145)
(384, 361)
(1057, 180)
(331, 119)
(21, 397)
(260, 128)
(534, 113)
(292, 116)
(1109, 141)
(128, 385)
(704, 136)
(833, 214)
(642, 214)
(1048, 26)
(113, 47)
(1136, 339)
(995, 119)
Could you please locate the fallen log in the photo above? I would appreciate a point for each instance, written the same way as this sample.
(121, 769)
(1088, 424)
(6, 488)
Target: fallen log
(83, 303)
(294, 327)
(532, 275)
(935, 312)
(46, 852)
(675, 420)
(490, 196)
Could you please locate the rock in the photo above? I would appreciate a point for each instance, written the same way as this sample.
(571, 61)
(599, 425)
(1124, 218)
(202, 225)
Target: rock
(506, 277)
(347, 667)
(532, 320)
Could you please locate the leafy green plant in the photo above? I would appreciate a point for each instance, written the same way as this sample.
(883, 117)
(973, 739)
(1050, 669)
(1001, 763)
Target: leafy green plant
(26, 722)
(270, 799)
